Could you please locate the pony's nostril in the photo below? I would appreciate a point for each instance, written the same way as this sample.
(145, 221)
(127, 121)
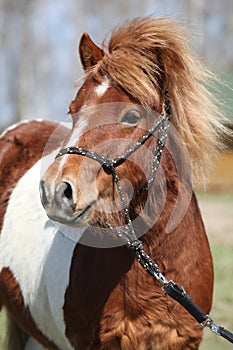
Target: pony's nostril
(68, 193)
(43, 193)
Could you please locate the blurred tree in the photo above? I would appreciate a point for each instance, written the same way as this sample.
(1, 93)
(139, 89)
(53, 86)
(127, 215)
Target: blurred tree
(26, 53)
(38, 40)
(10, 17)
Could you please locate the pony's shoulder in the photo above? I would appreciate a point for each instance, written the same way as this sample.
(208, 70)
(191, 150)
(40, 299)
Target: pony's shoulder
(21, 146)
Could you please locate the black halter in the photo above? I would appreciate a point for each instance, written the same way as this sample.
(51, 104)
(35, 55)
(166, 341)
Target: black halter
(132, 242)
(110, 164)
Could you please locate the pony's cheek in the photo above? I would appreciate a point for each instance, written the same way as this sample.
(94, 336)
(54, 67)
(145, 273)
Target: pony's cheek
(131, 179)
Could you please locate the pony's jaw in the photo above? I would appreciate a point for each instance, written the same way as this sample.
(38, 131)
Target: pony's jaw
(76, 219)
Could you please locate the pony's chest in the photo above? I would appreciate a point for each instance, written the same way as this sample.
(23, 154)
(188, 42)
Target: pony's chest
(38, 256)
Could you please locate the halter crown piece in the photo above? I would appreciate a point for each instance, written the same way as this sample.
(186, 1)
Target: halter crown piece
(132, 242)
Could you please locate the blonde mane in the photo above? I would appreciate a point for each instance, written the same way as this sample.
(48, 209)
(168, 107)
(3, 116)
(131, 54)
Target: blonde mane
(147, 54)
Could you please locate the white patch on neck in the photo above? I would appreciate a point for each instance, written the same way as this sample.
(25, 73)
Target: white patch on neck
(39, 255)
(102, 88)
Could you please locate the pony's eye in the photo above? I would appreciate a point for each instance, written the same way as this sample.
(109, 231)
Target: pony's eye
(131, 117)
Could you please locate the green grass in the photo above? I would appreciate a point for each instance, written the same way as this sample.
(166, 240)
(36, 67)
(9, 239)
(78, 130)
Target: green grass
(223, 297)
(223, 300)
(2, 328)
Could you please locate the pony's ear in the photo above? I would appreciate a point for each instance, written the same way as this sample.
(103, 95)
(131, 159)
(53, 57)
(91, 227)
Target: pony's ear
(89, 52)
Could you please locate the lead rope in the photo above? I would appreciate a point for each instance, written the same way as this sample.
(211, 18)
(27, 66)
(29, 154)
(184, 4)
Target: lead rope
(175, 291)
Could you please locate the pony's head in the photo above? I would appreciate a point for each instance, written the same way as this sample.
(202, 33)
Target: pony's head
(122, 96)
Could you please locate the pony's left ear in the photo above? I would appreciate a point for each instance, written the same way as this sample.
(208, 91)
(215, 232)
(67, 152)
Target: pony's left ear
(89, 52)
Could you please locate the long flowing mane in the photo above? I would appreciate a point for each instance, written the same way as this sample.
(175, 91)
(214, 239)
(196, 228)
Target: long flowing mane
(146, 55)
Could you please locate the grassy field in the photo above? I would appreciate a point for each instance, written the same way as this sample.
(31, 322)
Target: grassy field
(217, 212)
(2, 329)
(223, 297)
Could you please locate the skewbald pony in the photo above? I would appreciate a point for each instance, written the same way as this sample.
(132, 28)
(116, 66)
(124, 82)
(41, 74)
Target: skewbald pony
(147, 55)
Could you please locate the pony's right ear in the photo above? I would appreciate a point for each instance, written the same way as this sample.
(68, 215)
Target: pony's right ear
(89, 52)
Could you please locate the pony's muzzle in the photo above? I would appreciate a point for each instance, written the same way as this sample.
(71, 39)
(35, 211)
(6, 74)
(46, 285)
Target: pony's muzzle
(62, 203)
(58, 202)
